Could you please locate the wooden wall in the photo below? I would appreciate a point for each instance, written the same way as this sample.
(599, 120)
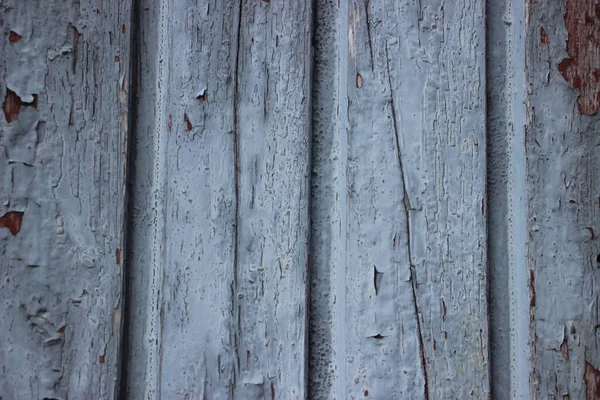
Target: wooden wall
(311, 199)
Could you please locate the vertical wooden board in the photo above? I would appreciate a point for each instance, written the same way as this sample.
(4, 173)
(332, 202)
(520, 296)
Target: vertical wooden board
(411, 248)
(564, 197)
(63, 133)
(221, 201)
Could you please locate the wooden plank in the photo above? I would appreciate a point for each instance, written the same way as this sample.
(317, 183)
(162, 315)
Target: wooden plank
(219, 259)
(563, 160)
(406, 240)
(63, 152)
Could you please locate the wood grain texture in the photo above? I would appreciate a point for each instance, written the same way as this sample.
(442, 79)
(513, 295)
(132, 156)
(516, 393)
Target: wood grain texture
(404, 242)
(563, 159)
(219, 256)
(64, 76)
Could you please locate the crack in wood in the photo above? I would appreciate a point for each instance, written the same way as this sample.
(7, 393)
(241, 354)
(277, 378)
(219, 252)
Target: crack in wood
(407, 208)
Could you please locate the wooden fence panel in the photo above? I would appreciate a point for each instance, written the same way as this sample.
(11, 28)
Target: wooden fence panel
(432, 132)
(64, 79)
(220, 231)
(399, 234)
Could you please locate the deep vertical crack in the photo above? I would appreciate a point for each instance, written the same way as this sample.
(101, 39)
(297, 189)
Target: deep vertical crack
(236, 311)
(413, 273)
(368, 21)
(123, 355)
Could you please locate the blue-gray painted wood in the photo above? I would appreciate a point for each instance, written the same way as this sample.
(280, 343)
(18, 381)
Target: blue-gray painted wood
(402, 139)
(64, 78)
(399, 232)
(220, 232)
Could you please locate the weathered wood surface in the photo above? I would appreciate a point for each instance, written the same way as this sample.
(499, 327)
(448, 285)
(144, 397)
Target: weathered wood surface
(220, 201)
(64, 72)
(399, 237)
(563, 162)
(218, 256)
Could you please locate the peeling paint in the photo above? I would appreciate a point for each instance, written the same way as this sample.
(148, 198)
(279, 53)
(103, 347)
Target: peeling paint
(12, 105)
(14, 37)
(592, 382)
(12, 221)
(543, 36)
(581, 69)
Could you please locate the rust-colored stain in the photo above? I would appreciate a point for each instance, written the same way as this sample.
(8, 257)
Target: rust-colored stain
(366, 393)
(101, 359)
(591, 377)
(543, 37)
(118, 256)
(531, 289)
(272, 391)
(581, 69)
(12, 105)
(12, 221)
(201, 97)
(169, 124)
(123, 29)
(188, 124)
(61, 330)
(14, 37)
(117, 59)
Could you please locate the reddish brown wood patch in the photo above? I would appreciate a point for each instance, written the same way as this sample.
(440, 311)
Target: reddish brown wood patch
(12, 221)
(581, 69)
(543, 36)
(14, 37)
(12, 105)
(592, 382)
